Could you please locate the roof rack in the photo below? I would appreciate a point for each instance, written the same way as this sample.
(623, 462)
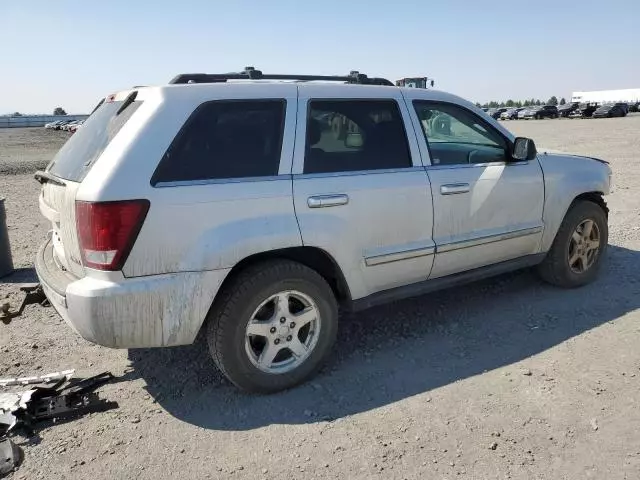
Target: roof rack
(250, 73)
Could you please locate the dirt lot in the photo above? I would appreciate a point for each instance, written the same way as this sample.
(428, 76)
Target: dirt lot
(507, 378)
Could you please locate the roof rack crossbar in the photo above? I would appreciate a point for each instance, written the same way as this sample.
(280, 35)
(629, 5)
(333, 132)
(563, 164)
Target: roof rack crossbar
(251, 73)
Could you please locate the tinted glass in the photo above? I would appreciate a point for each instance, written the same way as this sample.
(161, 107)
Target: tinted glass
(457, 136)
(226, 139)
(77, 156)
(355, 135)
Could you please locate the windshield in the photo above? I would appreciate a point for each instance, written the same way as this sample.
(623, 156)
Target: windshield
(76, 157)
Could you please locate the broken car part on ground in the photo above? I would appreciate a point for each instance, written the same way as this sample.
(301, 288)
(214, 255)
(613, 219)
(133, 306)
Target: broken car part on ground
(65, 399)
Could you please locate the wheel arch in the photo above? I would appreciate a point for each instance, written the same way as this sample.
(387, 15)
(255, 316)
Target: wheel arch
(595, 197)
(313, 257)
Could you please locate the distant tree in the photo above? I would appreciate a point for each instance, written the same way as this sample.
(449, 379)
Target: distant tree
(59, 111)
(538, 102)
(478, 105)
(17, 114)
(510, 103)
(562, 101)
(552, 101)
(532, 101)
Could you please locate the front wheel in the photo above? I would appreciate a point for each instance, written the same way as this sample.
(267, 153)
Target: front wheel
(580, 244)
(273, 326)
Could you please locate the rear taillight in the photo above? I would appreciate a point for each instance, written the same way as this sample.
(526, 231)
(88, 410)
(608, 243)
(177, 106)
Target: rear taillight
(107, 231)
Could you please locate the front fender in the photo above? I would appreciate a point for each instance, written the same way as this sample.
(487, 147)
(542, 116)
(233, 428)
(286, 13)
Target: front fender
(565, 178)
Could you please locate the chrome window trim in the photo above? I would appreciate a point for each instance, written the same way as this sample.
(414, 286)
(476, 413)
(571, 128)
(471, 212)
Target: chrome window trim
(473, 242)
(298, 176)
(475, 165)
(217, 181)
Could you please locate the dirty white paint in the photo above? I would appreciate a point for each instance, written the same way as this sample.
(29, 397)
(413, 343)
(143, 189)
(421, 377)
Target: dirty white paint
(566, 177)
(193, 235)
(160, 310)
(387, 213)
(57, 204)
(207, 227)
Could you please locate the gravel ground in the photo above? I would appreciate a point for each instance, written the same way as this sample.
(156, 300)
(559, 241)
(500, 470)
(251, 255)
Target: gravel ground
(506, 378)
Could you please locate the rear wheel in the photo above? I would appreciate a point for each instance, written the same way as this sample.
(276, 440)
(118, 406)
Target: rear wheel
(576, 253)
(273, 326)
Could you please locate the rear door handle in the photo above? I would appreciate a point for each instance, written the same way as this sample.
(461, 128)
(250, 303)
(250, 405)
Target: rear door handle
(320, 201)
(454, 188)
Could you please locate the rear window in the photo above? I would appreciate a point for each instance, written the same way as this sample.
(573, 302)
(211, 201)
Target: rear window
(74, 160)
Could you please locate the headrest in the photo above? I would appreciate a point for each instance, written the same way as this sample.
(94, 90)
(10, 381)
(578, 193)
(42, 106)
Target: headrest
(314, 132)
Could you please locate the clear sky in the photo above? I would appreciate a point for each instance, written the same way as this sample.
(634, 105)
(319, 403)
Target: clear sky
(71, 53)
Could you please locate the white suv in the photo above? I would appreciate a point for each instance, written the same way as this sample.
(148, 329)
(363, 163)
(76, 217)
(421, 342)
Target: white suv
(254, 208)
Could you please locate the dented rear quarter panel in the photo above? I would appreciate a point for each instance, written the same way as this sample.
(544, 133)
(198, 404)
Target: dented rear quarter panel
(565, 178)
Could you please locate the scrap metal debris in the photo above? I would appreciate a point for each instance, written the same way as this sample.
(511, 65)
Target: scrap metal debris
(33, 294)
(48, 378)
(9, 456)
(65, 399)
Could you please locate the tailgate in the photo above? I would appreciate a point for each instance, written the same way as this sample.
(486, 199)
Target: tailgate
(57, 204)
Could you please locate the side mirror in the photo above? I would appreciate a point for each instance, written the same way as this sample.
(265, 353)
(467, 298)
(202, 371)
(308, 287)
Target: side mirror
(523, 149)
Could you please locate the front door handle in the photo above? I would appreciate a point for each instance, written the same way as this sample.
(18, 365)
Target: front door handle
(454, 188)
(320, 201)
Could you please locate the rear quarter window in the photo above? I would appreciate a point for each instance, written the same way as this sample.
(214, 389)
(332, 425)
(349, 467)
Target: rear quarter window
(76, 157)
(226, 139)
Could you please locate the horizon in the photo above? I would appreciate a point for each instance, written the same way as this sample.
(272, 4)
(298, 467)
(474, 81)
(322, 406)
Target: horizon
(464, 46)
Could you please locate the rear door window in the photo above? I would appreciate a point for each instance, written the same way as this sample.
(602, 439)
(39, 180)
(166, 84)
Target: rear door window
(226, 140)
(355, 135)
(74, 160)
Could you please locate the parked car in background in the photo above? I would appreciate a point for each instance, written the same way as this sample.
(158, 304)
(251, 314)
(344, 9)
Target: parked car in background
(634, 107)
(584, 110)
(623, 105)
(53, 124)
(496, 112)
(611, 110)
(75, 126)
(511, 114)
(542, 111)
(272, 236)
(568, 108)
(67, 127)
(59, 124)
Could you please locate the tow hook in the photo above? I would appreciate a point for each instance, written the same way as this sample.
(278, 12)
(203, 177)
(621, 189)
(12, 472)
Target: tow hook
(33, 294)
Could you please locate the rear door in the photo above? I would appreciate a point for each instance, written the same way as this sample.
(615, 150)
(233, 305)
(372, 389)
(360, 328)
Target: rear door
(67, 170)
(360, 191)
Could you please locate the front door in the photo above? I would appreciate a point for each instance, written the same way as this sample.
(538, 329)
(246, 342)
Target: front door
(487, 209)
(360, 191)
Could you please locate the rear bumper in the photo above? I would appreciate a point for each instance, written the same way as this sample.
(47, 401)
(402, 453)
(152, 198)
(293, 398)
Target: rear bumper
(140, 312)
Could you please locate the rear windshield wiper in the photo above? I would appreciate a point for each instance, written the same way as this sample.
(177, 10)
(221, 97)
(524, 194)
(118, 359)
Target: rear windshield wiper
(44, 177)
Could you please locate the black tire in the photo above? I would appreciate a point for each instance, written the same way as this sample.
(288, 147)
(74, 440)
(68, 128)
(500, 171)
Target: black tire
(555, 268)
(227, 322)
